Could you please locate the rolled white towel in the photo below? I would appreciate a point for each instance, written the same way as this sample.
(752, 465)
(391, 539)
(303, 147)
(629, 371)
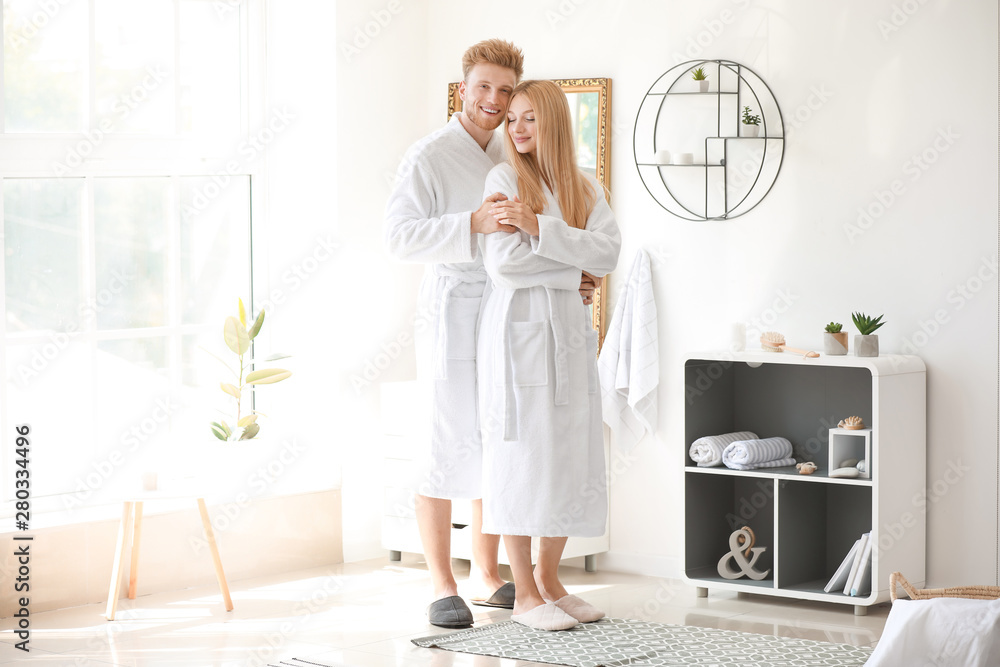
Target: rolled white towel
(707, 451)
(753, 454)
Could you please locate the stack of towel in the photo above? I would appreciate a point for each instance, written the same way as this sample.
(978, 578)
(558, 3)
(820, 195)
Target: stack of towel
(707, 451)
(742, 451)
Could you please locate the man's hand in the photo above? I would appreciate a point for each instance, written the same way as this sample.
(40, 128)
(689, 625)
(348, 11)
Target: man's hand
(588, 285)
(518, 214)
(483, 220)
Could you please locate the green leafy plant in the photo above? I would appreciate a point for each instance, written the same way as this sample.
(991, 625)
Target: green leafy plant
(834, 327)
(698, 74)
(866, 325)
(750, 119)
(238, 339)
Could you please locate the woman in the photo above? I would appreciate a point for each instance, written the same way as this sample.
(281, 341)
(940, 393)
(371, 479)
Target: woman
(540, 408)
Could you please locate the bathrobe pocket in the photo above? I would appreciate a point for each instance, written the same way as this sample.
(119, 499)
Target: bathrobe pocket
(527, 355)
(592, 379)
(460, 325)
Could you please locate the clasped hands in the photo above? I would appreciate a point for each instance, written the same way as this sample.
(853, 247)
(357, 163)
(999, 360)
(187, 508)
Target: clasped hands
(499, 214)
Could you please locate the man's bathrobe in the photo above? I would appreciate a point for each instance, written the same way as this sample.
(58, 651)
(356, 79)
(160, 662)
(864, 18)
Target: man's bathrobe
(428, 220)
(540, 402)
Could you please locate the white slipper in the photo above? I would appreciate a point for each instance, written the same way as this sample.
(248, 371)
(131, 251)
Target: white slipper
(546, 617)
(579, 609)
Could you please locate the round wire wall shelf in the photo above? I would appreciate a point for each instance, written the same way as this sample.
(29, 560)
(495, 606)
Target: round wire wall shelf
(694, 154)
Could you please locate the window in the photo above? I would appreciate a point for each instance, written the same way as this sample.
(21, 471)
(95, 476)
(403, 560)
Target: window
(126, 209)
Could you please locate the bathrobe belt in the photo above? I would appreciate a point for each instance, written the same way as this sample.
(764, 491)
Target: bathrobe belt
(452, 279)
(560, 358)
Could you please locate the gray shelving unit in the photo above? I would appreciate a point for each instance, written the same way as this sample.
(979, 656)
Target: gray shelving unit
(807, 522)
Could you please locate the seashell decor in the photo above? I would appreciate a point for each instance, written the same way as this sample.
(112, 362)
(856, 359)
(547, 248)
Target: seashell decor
(851, 423)
(806, 468)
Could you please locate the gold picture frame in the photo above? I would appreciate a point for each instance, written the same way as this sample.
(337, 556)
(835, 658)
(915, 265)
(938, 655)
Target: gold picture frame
(594, 153)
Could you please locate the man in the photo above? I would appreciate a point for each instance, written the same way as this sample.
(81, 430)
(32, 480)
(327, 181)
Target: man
(434, 216)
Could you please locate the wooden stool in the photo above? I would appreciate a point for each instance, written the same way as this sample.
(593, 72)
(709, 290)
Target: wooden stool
(130, 529)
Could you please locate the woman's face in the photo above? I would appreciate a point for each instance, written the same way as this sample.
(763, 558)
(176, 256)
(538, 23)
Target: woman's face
(521, 124)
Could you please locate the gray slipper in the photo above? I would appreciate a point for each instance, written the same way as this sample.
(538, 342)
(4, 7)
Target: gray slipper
(450, 612)
(503, 598)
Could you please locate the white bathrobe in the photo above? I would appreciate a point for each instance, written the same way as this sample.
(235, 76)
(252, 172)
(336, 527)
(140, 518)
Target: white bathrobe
(428, 220)
(540, 404)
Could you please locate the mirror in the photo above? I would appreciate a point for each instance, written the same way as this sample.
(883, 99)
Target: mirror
(590, 107)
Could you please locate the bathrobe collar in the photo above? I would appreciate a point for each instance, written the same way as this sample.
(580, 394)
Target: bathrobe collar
(494, 149)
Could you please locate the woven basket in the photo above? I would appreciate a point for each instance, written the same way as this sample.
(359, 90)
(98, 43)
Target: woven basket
(968, 592)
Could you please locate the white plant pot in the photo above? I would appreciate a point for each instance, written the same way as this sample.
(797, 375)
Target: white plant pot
(835, 343)
(866, 346)
(750, 130)
(703, 86)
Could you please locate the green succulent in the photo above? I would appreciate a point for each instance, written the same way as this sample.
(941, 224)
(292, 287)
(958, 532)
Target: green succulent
(698, 74)
(750, 119)
(834, 327)
(866, 325)
(238, 338)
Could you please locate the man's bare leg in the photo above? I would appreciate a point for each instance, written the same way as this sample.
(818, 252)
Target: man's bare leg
(485, 571)
(434, 520)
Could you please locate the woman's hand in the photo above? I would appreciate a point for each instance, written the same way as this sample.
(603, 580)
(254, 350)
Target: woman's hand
(516, 213)
(588, 285)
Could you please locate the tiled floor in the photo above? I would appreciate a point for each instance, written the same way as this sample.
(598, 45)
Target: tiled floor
(364, 615)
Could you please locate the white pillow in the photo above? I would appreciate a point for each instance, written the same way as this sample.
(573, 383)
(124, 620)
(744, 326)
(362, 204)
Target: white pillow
(943, 632)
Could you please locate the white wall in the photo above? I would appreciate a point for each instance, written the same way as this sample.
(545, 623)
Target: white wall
(864, 87)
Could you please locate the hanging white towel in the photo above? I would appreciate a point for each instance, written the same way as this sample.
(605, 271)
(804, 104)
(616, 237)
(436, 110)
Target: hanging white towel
(629, 363)
(707, 451)
(753, 454)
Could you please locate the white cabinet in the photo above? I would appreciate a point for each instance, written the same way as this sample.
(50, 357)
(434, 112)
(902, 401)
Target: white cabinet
(808, 523)
(400, 407)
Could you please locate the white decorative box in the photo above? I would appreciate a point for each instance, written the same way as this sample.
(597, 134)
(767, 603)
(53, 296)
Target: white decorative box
(851, 444)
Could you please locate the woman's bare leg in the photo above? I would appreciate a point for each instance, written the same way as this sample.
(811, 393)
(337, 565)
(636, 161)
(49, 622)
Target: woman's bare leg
(546, 574)
(526, 595)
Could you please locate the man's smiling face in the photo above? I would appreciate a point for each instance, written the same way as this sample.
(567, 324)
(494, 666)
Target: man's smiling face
(486, 94)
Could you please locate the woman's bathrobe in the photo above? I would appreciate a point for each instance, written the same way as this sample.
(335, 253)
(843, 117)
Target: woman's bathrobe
(540, 403)
(438, 185)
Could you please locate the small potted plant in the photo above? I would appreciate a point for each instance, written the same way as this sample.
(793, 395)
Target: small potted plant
(751, 123)
(238, 338)
(866, 343)
(835, 340)
(698, 74)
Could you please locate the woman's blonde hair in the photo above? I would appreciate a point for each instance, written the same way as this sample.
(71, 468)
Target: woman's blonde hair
(554, 159)
(494, 52)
